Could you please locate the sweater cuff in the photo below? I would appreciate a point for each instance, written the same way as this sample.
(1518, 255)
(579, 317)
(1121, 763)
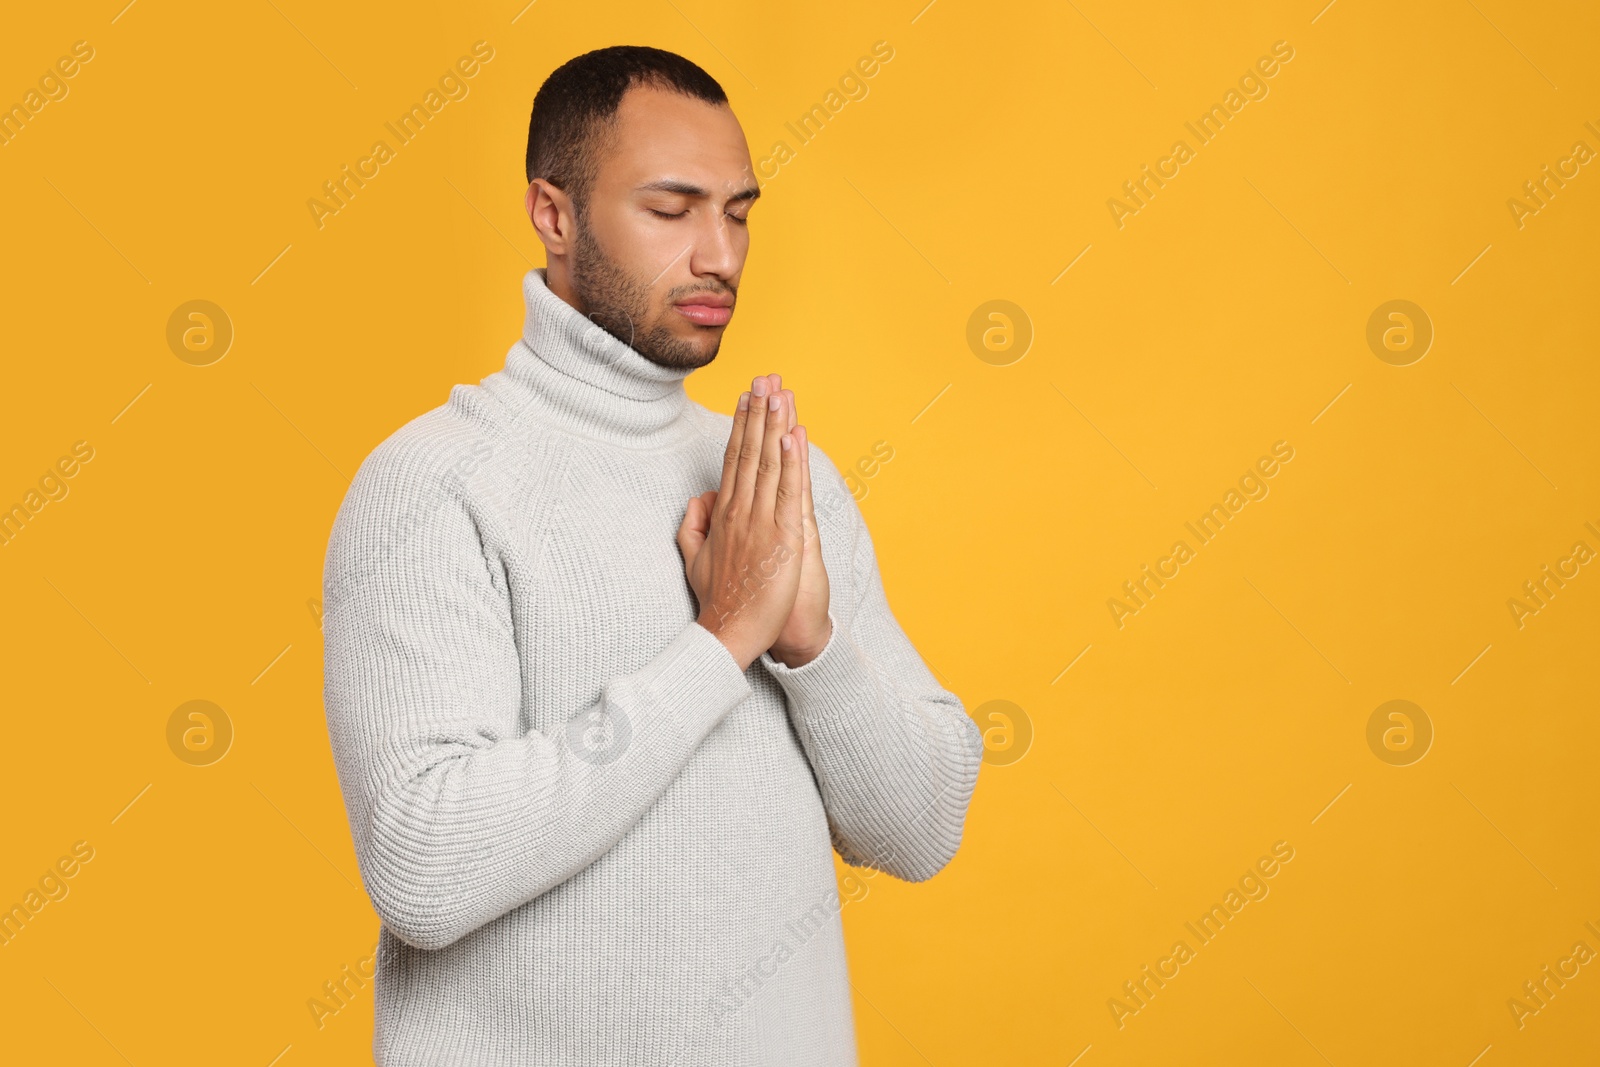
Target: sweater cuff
(837, 679)
(697, 677)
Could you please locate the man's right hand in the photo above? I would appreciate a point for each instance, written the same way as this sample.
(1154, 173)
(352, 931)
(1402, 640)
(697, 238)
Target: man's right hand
(742, 543)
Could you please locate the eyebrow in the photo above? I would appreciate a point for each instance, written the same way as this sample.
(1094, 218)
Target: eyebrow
(683, 188)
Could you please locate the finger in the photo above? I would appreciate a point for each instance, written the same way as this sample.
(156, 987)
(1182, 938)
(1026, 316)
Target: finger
(742, 493)
(803, 441)
(786, 505)
(730, 455)
(692, 530)
(808, 513)
(775, 381)
(771, 468)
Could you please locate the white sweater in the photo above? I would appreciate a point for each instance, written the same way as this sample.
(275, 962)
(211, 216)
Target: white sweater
(590, 837)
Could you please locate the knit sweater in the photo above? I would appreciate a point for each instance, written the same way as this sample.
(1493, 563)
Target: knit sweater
(590, 837)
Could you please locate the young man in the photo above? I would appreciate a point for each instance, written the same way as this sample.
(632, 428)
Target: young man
(593, 786)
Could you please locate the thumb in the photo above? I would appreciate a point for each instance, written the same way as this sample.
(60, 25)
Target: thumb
(696, 523)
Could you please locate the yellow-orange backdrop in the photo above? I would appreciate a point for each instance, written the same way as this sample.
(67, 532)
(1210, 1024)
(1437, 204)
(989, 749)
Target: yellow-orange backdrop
(1146, 357)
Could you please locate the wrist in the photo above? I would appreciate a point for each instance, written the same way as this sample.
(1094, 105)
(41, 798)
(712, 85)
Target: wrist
(796, 657)
(713, 625)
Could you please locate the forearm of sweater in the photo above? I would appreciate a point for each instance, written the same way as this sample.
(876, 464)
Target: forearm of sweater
(459, 812)
(896, 756)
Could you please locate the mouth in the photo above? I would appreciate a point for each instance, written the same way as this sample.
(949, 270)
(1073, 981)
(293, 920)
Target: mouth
(706, 309)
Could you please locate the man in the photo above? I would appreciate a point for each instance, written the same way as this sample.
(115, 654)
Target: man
(592, 785)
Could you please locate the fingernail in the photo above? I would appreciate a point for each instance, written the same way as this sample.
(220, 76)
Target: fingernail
(784, 440)
(744, 401)
(774, 402)
(759, 387)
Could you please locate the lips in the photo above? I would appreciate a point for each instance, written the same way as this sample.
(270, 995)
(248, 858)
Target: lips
(706, 309)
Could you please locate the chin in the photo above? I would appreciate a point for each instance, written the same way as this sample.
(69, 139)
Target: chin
(692, 351)
(703, 341)
(705, 354)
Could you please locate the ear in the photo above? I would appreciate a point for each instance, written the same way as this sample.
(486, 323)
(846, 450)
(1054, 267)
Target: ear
(551, 212)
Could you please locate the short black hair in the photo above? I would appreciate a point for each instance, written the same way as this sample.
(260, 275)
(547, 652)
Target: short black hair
(578, 102)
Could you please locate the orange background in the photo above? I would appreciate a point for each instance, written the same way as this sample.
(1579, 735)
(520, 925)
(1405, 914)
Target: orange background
(1125, 795)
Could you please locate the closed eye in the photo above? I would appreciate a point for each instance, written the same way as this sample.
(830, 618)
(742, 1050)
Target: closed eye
(740, 219)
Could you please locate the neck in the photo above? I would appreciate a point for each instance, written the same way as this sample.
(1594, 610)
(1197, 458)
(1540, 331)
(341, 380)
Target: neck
(581, 378)
(558, 279)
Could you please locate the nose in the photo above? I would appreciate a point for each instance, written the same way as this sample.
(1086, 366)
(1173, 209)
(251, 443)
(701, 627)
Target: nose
(718, 250)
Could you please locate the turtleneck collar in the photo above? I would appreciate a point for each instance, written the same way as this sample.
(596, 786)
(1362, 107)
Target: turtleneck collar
(579, 376)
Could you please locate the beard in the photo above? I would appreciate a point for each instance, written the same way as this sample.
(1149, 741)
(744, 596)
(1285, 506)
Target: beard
(620, 305)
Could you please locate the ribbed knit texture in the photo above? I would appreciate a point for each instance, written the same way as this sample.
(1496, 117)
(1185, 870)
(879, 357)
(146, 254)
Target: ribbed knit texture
(590, 837)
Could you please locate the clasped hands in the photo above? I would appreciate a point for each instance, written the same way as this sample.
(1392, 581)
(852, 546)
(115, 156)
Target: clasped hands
(750, 547)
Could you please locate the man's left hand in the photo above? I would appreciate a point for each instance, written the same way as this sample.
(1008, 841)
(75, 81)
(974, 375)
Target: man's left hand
(807, 632)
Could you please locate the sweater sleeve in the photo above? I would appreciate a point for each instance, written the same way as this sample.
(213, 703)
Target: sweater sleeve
(896, 756)
(459, 811)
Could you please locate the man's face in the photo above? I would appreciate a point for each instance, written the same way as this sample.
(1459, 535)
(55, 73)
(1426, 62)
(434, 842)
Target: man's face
(661, 243)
